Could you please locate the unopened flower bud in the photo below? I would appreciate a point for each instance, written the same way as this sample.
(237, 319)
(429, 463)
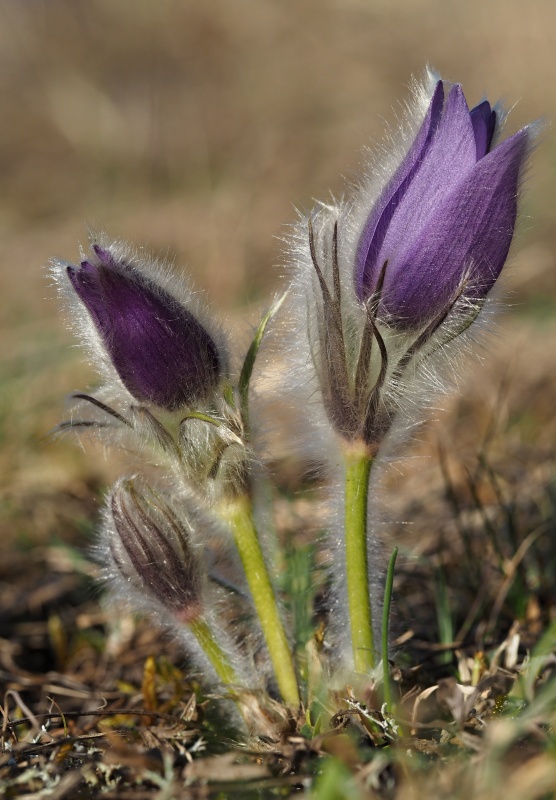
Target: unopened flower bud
(150, 548)
(161, 352)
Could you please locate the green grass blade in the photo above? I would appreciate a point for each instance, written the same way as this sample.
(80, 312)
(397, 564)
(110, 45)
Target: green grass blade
(385, 627)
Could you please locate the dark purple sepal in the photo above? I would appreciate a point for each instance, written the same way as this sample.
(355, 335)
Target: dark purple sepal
(367, 266)
(447, 216)
(483, 119)
(467, 239)
(450, 152)
(161, 352)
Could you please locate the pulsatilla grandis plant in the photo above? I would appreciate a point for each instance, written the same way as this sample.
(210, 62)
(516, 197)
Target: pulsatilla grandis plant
(388, 287)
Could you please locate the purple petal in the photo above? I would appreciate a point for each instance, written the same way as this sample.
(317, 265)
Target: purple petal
(162, 354)
(483, 119)
(367, 268)
(442, 165)
(448, 160)
(469, 234)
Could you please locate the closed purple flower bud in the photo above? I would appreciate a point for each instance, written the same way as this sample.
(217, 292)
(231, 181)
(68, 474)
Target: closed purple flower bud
(151, 550)
(446, 218)
(161, 352)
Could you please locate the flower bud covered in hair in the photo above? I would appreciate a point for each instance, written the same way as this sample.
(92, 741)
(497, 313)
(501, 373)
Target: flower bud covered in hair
(160, 350)
(150, 548)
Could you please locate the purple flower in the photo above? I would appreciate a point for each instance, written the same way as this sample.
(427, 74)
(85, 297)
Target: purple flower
(161, 352)
(446, 218)
(416, 254)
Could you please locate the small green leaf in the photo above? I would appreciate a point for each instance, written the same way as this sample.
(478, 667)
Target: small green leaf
(229, 395)
(249, 363)
(320, 723)
(335, 782)
(203, 417)
(547, 643)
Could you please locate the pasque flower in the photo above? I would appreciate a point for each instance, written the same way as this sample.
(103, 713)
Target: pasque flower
(446, 216)
(161, 352)
(387, 281)
(408, 258)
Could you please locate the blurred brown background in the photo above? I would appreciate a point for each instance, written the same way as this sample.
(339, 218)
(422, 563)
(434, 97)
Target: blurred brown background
(196, 128)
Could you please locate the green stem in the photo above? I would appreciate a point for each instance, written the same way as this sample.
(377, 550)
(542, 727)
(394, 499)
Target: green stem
(238, 514)
(358, 470)
(385, 628)
(213, 651)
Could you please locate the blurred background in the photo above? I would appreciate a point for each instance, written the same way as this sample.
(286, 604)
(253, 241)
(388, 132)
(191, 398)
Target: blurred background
(196, 129)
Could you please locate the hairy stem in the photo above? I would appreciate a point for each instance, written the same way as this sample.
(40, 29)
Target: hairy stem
(239, 515)
(358, 470)
(213, 652)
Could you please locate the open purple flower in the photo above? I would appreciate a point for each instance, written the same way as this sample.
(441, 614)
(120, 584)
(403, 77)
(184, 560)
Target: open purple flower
(447, 215)
(161, 352)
